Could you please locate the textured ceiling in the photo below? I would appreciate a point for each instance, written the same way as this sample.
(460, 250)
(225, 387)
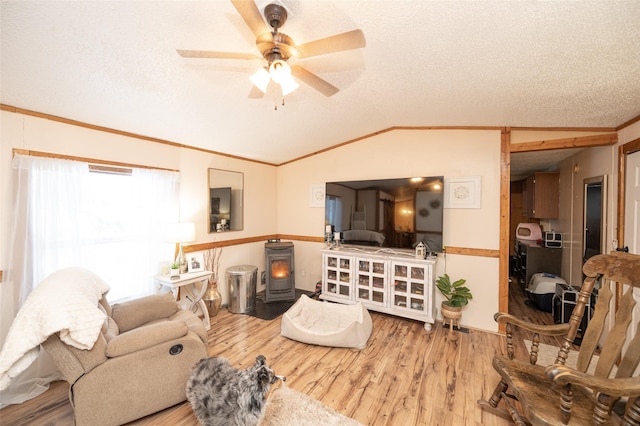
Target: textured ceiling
(426, 63)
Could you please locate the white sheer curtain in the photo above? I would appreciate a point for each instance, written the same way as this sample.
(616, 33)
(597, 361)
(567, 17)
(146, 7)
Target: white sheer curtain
(64, 215)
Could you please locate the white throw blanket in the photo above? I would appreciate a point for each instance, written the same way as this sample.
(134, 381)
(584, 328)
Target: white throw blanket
(66, 302)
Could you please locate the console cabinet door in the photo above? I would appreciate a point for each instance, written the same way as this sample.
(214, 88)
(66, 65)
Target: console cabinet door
(390, 284)
(411, 284)
(338, 274)
(371, 281)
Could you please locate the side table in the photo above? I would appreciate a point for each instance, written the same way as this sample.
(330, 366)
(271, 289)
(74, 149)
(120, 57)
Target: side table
(194, 295)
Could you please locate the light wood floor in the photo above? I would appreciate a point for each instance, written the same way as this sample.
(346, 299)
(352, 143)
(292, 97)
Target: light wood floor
(405, 376)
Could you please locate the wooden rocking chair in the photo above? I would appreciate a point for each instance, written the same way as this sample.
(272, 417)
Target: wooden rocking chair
(557, 394)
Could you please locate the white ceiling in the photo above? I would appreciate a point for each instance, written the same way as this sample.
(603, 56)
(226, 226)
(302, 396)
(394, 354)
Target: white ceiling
(440, 63)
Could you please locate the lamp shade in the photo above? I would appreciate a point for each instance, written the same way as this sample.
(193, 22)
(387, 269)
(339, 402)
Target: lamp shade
(279, 70)
(288, 85)
(261, 79)
(182, 232)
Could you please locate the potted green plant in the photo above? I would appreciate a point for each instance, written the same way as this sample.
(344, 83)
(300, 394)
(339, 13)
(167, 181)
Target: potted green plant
(456, 296)
(174, 269)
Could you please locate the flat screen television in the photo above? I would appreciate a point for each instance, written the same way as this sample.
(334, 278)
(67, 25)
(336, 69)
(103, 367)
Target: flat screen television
(394, 213)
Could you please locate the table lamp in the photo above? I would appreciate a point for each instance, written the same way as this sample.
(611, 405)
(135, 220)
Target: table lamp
(183, 232)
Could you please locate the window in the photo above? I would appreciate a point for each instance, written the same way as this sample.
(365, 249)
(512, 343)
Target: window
(106, 219)
(333, 211)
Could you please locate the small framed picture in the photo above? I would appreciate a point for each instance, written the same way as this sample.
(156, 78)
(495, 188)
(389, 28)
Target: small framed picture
(316, 195)
(195, 262)
(462, 193)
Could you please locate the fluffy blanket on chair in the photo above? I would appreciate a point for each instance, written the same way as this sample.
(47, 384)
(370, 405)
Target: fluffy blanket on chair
(65, 302)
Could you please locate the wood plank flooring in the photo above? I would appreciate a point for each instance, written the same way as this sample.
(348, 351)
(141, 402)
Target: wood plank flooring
(522, 308)
(405, 376)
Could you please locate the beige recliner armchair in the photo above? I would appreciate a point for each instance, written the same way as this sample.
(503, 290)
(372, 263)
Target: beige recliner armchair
(139, 365)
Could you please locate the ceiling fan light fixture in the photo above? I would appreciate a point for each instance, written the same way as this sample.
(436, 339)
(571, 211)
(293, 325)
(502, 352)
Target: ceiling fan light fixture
(288, 85)
(261, 79)
(279, 71)
(277, 48)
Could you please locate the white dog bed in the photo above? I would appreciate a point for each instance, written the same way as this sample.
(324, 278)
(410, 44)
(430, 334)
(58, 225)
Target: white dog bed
(327, 324)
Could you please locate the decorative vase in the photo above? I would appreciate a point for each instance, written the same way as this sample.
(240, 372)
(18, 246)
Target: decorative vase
(212, 298)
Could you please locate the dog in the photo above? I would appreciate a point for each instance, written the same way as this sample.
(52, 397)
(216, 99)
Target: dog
(221, 395)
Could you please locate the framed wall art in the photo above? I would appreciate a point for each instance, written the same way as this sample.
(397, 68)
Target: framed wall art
(316, 195)
(462, 193)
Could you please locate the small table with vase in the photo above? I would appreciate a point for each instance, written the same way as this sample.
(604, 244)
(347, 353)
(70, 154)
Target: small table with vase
(193, 297)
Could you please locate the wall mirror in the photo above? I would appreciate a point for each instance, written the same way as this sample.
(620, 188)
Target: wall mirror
(226, 205)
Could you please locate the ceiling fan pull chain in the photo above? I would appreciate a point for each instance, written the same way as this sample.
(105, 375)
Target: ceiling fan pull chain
(275, 106)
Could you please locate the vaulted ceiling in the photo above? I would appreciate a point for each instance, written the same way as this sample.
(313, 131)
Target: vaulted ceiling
(426, 63)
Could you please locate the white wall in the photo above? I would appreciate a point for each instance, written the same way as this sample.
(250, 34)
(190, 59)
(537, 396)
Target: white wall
(404, 153)
(260, 195)
(588, 163)
(31, 133)
(277, 198)
(591, 162)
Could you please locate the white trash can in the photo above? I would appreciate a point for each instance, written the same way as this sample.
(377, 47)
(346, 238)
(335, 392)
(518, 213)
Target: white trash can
(242, 281)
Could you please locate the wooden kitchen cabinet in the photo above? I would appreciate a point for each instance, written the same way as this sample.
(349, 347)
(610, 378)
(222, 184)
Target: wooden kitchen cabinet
(541, 196)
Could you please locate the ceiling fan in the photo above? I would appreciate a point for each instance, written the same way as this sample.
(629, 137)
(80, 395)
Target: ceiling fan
(277, 48)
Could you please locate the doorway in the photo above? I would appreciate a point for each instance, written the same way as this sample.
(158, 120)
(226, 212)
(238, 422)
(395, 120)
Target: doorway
(594, 211)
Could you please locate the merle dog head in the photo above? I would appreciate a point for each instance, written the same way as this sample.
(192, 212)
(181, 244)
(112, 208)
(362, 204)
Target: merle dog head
(265, 375)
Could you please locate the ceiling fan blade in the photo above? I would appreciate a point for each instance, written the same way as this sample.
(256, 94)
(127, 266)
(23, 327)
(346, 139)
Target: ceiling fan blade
(251, 15)
(314, 81)
(215, 55)
(336, 43)
(255, 93)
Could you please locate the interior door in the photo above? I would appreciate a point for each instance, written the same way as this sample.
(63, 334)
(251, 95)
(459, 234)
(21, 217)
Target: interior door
(594, 212)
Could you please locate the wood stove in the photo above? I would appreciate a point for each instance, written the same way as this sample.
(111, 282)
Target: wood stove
(279, 277)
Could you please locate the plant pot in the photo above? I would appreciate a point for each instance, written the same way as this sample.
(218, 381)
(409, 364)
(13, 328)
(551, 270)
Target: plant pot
(212, 298)
(174, 272)
(451, 314)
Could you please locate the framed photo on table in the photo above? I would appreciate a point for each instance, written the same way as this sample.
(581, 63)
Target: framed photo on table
(195, 262)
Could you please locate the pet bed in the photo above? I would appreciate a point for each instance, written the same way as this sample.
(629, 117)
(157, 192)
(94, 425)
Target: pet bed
(327, 324)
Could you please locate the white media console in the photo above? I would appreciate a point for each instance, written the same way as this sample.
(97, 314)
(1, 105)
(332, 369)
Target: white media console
(385, 280)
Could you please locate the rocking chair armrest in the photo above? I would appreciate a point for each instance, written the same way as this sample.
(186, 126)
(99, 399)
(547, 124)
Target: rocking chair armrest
(547, 330)
(614, 387)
